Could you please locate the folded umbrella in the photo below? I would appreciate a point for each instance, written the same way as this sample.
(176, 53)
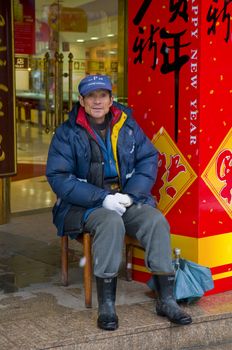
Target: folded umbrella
(202, 275)
(191, 280)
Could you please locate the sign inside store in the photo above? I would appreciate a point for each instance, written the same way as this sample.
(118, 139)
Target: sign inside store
(7, 106)
(21, 62)
(24, 24)
(73, 20)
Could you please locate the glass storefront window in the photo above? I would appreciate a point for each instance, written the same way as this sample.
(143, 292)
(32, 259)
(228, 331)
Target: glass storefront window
(88, 30)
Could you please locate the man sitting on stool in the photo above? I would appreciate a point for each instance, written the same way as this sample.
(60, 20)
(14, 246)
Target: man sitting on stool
(102, 167)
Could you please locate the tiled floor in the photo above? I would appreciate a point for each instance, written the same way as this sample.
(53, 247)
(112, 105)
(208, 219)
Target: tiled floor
(31, 193)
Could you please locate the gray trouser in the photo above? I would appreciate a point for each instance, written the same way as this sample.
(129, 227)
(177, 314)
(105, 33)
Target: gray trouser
(143, 222)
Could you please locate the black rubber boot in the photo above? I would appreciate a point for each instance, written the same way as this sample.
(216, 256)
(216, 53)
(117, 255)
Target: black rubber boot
(166, 304)
(106, 293)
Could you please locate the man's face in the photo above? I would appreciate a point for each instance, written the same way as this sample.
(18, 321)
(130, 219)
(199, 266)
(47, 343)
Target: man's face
(97, 104)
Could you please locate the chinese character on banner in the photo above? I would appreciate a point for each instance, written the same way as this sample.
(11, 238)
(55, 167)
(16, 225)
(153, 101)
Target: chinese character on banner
(224, 173)
(179, 8)
(218, 174)
(2, 153)
(168, 43)
(174, 175)
(217, 13)
(172, 170)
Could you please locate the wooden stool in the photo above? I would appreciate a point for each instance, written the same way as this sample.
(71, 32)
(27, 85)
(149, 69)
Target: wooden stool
(130, 242)
(85, 239)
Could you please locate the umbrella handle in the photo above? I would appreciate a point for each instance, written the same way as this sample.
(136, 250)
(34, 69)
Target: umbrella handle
(177, 252)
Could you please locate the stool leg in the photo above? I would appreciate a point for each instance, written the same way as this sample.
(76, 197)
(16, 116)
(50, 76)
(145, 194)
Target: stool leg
(129, 253)
(87, 269)
(64, 260)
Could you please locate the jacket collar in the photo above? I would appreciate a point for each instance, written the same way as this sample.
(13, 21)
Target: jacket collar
(78, 115)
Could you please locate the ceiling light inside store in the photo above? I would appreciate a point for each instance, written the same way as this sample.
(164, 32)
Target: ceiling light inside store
(110, 35)
(80, 40)
(94, 38)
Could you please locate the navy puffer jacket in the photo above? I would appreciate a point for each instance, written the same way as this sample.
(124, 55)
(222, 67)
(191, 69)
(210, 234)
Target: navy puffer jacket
(70, 171)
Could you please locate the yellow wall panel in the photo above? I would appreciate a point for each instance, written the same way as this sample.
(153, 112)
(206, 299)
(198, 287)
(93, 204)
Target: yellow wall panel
(215, 250)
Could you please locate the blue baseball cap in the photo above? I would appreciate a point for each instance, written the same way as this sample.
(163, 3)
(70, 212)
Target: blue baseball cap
(94, 82)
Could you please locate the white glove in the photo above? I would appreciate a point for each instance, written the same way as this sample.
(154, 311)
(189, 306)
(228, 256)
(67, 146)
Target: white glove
(124, 199)
(112, 203)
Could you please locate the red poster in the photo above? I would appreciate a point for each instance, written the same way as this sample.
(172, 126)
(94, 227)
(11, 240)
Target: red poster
(24, 26)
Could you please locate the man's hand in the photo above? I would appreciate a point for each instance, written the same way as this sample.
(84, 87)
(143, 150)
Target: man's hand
(111, 202)
(124, 199)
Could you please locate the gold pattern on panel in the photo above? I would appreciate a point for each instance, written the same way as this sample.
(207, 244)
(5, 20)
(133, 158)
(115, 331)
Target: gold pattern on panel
(218, 174)
(175, 175)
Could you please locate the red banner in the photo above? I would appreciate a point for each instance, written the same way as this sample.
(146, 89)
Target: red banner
(24, 17)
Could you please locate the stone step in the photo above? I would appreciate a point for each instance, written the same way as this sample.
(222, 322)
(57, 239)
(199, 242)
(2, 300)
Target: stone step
(141, 329)
(40, 323)
(224, 346)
